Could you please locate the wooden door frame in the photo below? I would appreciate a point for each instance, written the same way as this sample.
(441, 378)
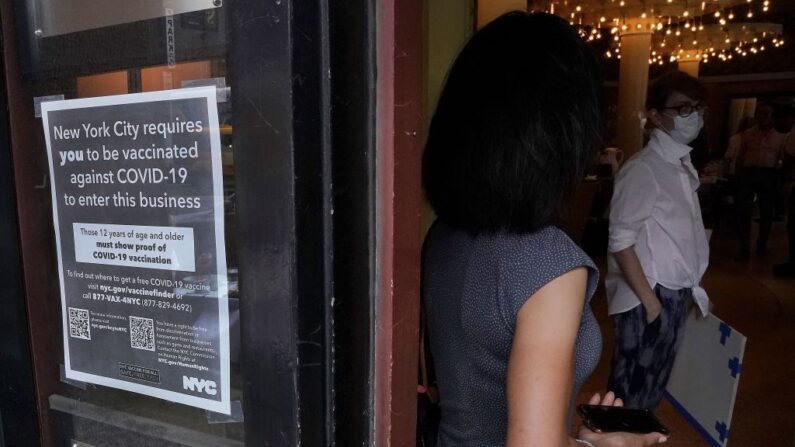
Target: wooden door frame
(399, 130)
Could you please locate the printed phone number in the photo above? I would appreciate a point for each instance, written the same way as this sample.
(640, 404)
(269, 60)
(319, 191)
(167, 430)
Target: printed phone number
(144, 302)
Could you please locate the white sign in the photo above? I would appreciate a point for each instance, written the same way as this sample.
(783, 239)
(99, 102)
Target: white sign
(138, 212)
(167, 248)
(703, 383)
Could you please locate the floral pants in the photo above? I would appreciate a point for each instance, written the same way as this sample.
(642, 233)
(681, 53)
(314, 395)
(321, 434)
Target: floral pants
(644, 352)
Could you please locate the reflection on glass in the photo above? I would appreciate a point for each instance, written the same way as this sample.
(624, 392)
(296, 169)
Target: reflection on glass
(89, 76)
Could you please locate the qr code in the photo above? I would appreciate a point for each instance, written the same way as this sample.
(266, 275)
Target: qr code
(79, 326)
(142, 333)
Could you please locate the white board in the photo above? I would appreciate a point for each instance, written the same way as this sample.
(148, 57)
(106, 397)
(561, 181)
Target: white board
(703, 383)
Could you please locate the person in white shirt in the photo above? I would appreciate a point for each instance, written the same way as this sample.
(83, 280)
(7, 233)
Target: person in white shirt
(658, 246)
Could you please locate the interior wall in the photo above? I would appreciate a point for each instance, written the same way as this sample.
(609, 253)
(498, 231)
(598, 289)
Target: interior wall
(450, 24)
(114, 83)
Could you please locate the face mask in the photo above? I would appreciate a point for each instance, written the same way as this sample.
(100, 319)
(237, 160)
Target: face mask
(686, 129)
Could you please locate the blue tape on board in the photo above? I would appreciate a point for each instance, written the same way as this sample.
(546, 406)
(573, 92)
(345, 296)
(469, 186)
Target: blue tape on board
(692, 421)
(725, 332)
(735, 366)
(722, 429)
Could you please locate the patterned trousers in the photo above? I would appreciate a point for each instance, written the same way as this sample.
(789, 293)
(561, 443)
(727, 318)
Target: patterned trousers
(644, 352)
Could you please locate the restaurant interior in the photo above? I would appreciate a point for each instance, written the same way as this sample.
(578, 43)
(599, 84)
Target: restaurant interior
(741, 50)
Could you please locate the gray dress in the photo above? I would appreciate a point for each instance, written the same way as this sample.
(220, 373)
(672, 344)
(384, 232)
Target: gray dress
(473, 288)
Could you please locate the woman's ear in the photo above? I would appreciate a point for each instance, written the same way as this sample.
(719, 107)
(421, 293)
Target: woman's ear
(655, 118)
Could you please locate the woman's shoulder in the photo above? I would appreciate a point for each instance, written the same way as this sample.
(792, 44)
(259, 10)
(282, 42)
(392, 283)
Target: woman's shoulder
(548, 248)
(548, 241)
(541, 256)
(532, 260)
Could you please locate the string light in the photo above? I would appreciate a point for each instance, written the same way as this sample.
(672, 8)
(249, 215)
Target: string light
(592, 19)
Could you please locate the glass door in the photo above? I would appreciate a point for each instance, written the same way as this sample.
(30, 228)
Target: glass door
(195, 199)
(143, 228)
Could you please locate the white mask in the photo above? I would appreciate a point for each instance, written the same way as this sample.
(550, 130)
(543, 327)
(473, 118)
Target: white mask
(686, 129)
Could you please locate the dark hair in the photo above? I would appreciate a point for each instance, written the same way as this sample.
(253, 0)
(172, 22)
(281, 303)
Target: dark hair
(515, 127)
(674, 82)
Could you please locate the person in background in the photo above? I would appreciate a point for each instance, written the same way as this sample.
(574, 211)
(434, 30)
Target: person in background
(758, 175)
(506, 292)
(787, 269)
(658, 246)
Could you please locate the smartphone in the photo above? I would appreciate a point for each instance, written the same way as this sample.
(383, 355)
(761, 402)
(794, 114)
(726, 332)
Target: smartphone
(602, 419)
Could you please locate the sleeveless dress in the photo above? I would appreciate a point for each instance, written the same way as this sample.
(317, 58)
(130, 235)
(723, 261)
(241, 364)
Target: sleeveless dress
(473, 287)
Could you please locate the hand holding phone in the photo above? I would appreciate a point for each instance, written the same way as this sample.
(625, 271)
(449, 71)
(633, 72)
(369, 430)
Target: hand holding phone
(607, 419)
(618, 438)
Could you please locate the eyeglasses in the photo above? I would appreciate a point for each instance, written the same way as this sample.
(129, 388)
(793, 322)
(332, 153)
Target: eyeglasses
(687, 109)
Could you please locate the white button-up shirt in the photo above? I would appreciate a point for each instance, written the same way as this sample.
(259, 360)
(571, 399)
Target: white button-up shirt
(655, 209)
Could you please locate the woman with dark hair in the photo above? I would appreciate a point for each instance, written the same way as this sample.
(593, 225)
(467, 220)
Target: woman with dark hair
(506, 292)
(658, 246)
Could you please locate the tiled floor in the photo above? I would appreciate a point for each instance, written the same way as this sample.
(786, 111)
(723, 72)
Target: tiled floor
(762, 307)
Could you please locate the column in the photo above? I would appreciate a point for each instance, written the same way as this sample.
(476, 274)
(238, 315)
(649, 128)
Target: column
(736, 112)
(750, 108)
(690, 66)
(633, 81)
(491, 9)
